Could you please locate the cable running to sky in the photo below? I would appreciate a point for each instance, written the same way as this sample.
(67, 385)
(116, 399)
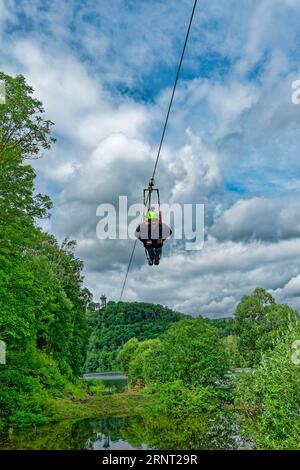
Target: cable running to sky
(162, 136)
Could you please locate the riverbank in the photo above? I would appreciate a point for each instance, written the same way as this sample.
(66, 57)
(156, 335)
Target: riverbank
(146, 430)
(93, 417)
(119, 404)
(74, 401)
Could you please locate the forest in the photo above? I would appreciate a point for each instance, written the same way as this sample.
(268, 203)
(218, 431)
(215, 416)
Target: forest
(119, 322)
(42, 301)
(180, 366)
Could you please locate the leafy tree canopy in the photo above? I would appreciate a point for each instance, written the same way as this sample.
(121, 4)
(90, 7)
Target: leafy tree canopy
(119, 322)
(259, 321)
(23, 127)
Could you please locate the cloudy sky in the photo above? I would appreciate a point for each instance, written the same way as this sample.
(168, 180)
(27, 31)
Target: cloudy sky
(104, 71)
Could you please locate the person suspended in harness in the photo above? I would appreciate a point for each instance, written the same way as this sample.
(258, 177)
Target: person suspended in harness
(152, 233)
(152, 214)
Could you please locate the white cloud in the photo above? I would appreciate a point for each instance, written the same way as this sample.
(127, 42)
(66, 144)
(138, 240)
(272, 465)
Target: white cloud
(291, 288)
(229, 103)
(269, 219)
(192, 164)
(242, 128)
(216, 277)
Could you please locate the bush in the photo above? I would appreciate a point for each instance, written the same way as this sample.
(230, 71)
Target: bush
(119, 322)
(270, 398)
(27, 384)
(190, 351)
(178, 399)
(95, 387)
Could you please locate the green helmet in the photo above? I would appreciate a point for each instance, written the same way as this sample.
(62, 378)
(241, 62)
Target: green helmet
(152, 214)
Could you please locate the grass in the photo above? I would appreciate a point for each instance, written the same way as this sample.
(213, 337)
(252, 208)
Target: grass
(92, 399)
(105, 406)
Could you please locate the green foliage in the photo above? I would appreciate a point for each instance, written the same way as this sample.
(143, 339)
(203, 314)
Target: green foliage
(141, 369)
(33, 391)
(70, 333)
(225, 326)
(42, 302)
(270, 397)
(190, 351)
(205, 431)
(125, 354)
(119, 322)
(26, 385)
(181, 367)
(179, 399)
(234, 358)
(22, 124)
(259, 321)
(95, 387)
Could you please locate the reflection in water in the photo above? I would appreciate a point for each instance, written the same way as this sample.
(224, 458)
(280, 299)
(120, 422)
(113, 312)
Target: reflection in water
(140, 432)
(109, 434)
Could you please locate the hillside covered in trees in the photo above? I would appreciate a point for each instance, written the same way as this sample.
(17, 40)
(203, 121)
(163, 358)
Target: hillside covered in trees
(42, 315)
(114, 325)
(188, 369)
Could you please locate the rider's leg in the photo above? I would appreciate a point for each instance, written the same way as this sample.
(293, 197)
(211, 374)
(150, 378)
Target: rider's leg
(157, 255)
(151, 253)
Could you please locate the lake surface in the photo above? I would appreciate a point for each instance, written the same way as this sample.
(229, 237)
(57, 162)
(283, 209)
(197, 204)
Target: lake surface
(113, 380)
(198, 432)
(137, 432)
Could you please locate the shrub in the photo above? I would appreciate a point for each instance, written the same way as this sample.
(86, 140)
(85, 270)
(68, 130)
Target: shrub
(270, 398)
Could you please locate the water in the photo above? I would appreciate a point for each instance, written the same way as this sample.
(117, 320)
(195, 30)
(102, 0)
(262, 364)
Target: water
(113, 380)
(104, 376)
(217, 431)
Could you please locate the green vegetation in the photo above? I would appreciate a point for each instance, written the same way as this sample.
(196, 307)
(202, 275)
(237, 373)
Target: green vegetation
(259, 323)
(184, 364)
(183, 370)
(42, 316)
(204, 431)
(269, 396)
(225, 326)
(33, 391)
(270, 399)
(118, 323)
(177, 365)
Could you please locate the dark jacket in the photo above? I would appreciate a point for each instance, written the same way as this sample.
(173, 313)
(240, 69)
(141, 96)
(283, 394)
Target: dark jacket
(153, 231)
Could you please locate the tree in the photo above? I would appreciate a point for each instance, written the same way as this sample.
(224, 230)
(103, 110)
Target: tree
(67, 268)
(114, 325)
(190, 351)
(125, 354)
(193, 352)
(23, 128)
(41, 295)
(259, 320)
(270, 396)
(23, 133)
(141, 368)
(42, 302)
(19, 206)
(87, 297)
